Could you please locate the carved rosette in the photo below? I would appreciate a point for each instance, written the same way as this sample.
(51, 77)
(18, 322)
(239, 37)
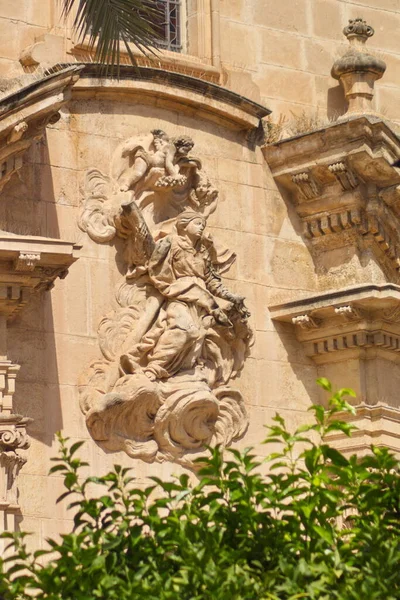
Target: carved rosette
(162, 390)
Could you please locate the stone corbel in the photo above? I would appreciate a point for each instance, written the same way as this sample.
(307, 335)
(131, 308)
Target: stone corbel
(306, 185)
(345, 189)
(26, 112)
(357, 345)
(306, 322)
(346, 177)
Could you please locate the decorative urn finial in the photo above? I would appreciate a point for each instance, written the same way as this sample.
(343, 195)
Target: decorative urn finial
(357, 70)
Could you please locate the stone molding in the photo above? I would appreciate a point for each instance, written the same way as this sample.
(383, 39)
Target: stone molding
(13, 439)
(344, 186)
(25, 114)
(355, 343)
(355, 319)
(187, 94)
(30, 264)
(377, 425)
(27, 265)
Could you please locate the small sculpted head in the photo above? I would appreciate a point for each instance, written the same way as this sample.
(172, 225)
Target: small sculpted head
(183, 144)
(191, 224)
(160, 138)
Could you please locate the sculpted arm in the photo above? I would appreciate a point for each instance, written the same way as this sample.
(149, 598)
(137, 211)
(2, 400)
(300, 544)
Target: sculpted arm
(170, 168)
(217, 288)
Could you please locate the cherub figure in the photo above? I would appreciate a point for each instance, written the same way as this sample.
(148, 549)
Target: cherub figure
(165, 157)
(157, 172)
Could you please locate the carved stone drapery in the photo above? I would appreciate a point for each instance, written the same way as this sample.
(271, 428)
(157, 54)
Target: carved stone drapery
(162, 390)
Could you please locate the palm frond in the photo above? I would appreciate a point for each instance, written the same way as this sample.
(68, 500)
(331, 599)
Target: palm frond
(108, 22)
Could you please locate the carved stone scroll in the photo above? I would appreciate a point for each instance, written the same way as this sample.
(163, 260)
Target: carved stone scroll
(162, 390)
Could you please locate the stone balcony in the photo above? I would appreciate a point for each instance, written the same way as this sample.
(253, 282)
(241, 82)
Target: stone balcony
(345, 191)
(353, 336)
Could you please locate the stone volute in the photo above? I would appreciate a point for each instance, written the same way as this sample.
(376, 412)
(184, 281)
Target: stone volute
(357, 70)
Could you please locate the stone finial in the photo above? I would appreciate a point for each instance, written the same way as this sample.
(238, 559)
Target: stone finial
(357, 70)
(359, 30)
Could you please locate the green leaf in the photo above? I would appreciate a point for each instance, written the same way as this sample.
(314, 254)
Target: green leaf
(324, 533)
(324, 383)
(109, 23)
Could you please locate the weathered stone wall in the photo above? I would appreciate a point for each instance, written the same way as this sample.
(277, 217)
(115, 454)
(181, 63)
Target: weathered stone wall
(279, 52)
(288, 48)
(56, 337)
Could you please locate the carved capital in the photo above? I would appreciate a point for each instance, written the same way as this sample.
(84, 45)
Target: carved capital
(306, 185)
(27, 261)
(346, 177)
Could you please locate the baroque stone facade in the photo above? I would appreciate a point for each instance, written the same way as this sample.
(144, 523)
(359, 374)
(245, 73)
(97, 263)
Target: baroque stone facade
(177, 263)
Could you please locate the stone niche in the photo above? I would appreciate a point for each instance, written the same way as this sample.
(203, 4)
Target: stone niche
(346, 194)
(353, 336)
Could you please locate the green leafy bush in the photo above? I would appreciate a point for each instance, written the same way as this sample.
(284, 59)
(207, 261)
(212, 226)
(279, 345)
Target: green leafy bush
(317, 526)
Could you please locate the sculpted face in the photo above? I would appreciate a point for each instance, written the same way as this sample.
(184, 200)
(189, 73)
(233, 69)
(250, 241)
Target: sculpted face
(160, 142)
(195, 228)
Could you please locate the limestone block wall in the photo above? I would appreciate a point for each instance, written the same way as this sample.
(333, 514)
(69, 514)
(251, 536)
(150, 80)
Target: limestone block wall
(288, 48)
(279, 52)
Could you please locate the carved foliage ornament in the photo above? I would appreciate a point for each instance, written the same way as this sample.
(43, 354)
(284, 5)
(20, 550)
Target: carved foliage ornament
(162, 390)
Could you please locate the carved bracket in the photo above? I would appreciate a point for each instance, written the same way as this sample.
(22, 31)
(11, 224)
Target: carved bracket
(358, 318)
(345, 187)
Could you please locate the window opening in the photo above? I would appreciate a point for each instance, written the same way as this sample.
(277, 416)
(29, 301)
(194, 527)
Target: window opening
(168, 25)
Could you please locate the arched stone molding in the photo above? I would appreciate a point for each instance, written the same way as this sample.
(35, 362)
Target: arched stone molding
(184, 93)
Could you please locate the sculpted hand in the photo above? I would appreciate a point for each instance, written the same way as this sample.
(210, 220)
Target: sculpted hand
(238, 303)
(221, 318)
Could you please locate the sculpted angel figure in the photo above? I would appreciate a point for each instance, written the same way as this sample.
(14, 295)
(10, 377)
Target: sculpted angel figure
(162, 390)
(142, 161)
(181, 268)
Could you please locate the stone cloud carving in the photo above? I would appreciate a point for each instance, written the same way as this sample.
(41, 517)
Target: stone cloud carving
(162, 390)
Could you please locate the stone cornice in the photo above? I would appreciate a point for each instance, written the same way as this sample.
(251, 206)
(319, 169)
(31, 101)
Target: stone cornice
(344, 186)
(25, 113)
(377, 424)
(357, 321)
(202, 98)
(30, 264)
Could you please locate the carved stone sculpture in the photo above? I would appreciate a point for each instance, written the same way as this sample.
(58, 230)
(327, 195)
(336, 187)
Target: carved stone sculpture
(162, 390)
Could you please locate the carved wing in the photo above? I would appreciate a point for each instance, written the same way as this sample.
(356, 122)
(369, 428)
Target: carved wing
(97, 216)
(140, 243)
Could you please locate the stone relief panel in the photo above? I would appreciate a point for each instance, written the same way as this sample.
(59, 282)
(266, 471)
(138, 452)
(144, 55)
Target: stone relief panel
(162, 390)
